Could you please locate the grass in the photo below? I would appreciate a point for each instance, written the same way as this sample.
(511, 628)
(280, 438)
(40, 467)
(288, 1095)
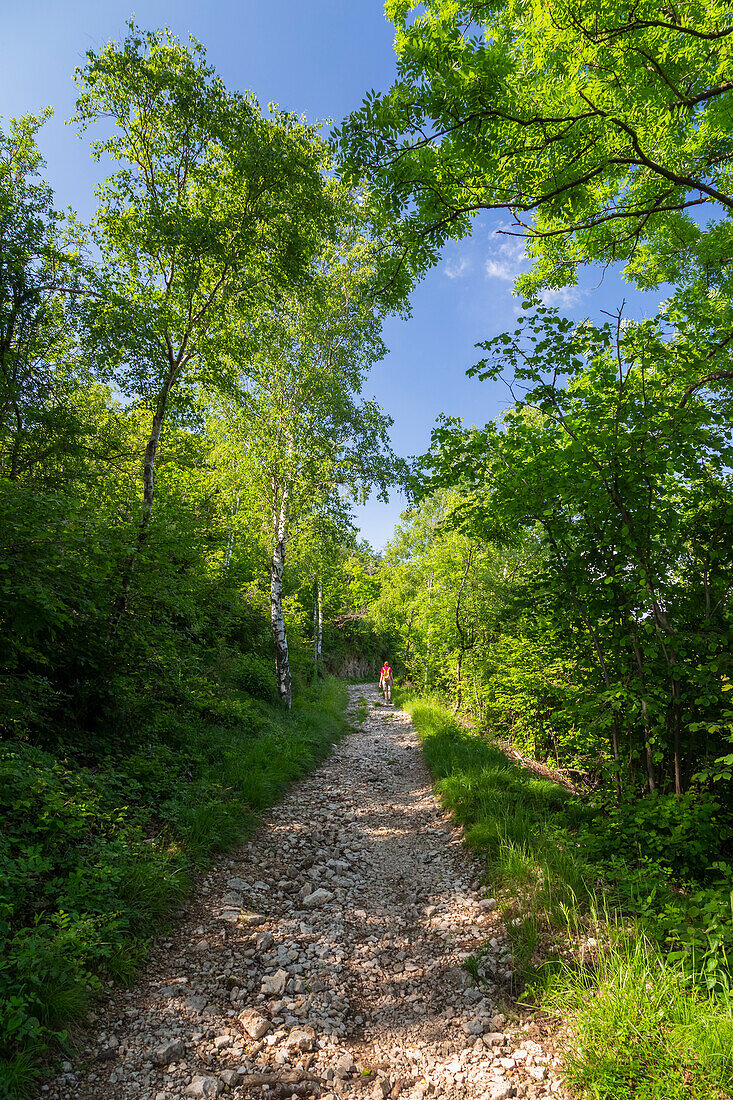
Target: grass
(361, 712)
(94, 857)
(640, 1030)
(637, 1024)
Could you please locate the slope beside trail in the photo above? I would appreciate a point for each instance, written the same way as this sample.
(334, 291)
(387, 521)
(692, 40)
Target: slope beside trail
(323, 957)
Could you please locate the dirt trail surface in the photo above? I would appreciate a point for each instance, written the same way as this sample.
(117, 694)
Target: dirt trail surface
(324, 957)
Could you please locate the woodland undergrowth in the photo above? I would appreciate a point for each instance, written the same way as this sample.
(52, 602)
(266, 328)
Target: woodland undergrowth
(97, 855)
(628, 954)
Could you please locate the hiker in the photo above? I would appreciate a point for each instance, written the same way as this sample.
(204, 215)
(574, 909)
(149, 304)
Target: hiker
(385, 682)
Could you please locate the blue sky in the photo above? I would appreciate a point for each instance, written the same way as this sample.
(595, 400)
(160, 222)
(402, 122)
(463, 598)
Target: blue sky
(316, 57)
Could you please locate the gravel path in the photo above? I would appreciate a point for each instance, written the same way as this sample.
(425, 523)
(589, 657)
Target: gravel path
(323, 958)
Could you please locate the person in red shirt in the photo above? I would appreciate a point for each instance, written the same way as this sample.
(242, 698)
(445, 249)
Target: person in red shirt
(385, 682)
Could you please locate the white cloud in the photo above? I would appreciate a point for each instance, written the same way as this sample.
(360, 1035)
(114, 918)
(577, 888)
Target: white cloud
(456, 267)
(507, 257)
(561, 296)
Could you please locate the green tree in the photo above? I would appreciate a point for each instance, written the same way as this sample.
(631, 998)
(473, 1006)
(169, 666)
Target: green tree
(213, 210)
(597, 127)
(41, 274)
(300, 418)
(621, 456)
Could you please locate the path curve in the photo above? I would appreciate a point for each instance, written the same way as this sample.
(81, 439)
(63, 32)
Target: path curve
(323, 958)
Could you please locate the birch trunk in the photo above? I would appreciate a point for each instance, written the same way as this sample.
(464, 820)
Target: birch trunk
(149, 468)
(318, 624)
(427, 647)
(282, 657)
(405, 672)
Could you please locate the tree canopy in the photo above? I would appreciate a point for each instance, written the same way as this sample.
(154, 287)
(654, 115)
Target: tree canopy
(600, 129)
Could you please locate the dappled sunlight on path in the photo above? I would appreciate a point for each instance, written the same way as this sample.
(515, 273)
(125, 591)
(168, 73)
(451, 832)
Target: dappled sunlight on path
(324, 957)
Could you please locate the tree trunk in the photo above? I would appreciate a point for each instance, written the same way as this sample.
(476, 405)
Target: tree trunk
(461, 635)
(282, 657)
(151, 450)
(648, 752)
(677, 730)
(459, 665)
(427, 645)
(614, 742)
(318, 625)
(407, 647)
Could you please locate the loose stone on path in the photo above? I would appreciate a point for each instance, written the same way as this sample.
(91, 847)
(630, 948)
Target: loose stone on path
(324, 958)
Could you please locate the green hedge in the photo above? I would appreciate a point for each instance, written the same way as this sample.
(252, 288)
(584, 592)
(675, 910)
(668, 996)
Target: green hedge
(92, 858)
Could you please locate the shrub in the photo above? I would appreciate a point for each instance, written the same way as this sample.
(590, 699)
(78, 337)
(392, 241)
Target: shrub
(256, 676)
(93, 858)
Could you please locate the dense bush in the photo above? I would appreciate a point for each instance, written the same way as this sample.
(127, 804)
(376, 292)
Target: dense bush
(256, 676)
(609, 925)
(92, 858)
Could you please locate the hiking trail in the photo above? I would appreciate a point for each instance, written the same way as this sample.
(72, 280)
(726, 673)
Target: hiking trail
(323, 957)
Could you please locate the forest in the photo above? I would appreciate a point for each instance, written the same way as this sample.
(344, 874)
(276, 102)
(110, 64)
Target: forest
(184, 436)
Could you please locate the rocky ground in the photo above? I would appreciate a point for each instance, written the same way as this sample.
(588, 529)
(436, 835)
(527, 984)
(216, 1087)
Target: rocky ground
(324, 957)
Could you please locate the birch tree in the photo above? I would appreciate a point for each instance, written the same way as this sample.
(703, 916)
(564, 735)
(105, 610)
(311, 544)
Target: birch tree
(212, 210)
(321, 538)
(310, 434)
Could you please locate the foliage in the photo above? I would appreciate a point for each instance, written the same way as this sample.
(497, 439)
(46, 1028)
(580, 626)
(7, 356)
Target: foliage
(40, 276)
(592, 917)
(618, 453)
(212, 208)
(93, 858)
(213, 212)
(597, 128)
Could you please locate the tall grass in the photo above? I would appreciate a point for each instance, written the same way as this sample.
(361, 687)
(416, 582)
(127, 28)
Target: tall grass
(92, 860)
(636, 1024)
(640, 1029)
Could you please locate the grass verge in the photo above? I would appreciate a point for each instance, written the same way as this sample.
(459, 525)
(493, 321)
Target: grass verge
(94, 856)
(608, 940)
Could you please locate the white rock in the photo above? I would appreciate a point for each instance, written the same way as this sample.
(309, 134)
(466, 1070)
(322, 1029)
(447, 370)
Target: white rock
(301, 1039)
(205, 1086)
(274, 984)
(345, 1065)
(254, 1023)
(317, 898)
